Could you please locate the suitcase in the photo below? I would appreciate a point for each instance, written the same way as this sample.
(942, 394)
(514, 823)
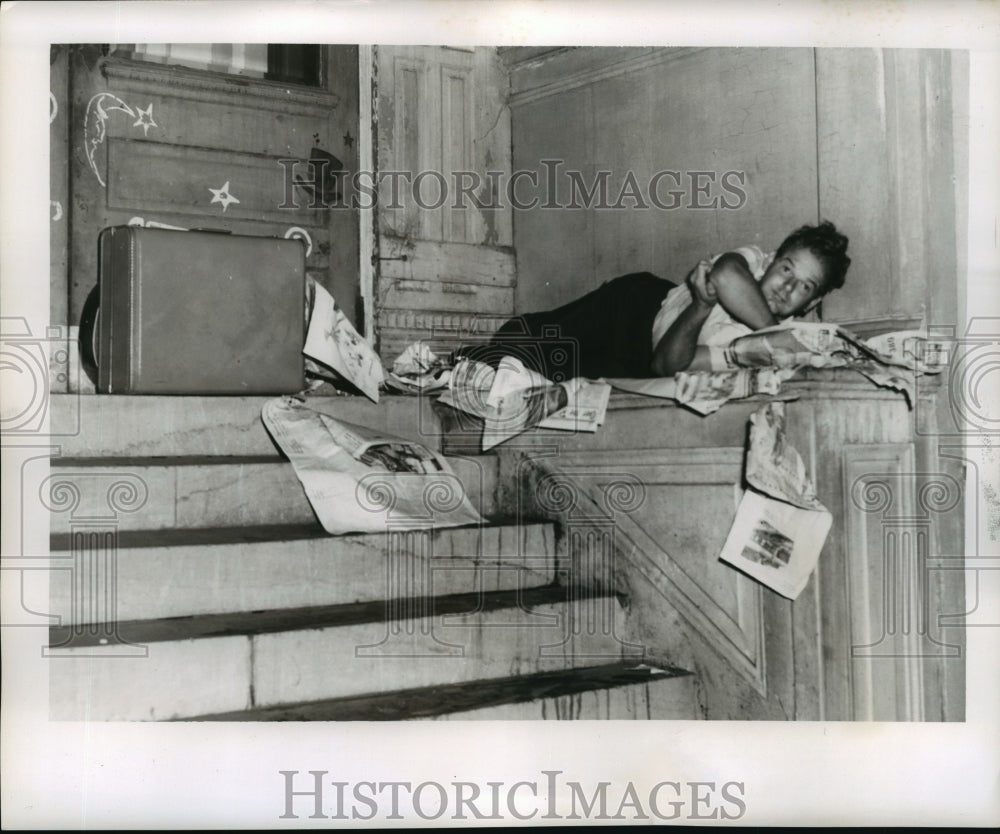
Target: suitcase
(199, 313)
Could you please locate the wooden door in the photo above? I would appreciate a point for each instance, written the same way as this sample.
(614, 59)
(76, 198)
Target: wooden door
(445, 260)
(161, 140)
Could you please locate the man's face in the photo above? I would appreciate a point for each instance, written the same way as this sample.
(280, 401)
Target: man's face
(792, 283)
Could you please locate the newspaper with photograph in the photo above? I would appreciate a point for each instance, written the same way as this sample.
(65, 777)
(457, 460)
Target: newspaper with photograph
(780, 525)
(361, 480)
(334, 350)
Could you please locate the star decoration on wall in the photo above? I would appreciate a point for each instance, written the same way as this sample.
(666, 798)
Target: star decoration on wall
(348, 140)
(222, 195)
(145, 120)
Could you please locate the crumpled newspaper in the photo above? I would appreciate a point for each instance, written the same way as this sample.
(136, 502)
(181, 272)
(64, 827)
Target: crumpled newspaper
(513, 398)
(773, 465)
(763, 360)
(780, 525)
(708, 391)
(892, 360)
(418, 369)
(913, 349)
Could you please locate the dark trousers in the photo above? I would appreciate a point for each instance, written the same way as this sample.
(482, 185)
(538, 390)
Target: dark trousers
(606, 333)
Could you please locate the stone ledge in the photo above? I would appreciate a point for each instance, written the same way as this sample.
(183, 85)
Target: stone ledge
(100, 425)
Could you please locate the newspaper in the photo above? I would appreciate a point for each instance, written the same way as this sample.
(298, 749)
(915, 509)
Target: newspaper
(912, 349)
(707, 391)
(469, 387)
(774, 466)
(418, 370)
(764, 359)
(335, 346)
(776, 543)
(900, 357)
(518, 399)
(798, 344)
(359, 480)
(586, 407)
(513, 399)
(891, 360)
(780, 525)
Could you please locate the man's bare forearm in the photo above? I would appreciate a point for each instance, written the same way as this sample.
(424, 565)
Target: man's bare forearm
(678, 349)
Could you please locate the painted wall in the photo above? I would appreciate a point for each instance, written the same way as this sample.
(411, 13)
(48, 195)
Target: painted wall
(866, 138)
(721, 144)
(891, 170)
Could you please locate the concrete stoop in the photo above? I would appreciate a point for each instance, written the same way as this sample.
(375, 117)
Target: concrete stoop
(217, 596)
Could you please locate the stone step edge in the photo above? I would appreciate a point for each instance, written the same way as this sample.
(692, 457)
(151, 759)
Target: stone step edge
(83, 462)
(254, 534)
(65, 639)
(431, 701)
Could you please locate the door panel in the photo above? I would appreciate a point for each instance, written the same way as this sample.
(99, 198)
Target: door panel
(153, 143)
(445, 256)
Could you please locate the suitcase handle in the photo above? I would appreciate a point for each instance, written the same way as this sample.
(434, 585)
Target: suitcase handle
(87, 334)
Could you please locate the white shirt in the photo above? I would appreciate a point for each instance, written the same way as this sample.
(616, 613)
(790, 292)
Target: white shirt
(719, 328)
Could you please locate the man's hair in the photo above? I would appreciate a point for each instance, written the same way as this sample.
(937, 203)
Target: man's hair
(828, 245)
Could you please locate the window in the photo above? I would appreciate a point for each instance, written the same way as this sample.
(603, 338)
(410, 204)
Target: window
(288, 63)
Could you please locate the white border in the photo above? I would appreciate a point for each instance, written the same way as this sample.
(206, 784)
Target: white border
(184, 775)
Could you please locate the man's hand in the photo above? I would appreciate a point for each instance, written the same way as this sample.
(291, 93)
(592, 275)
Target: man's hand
(703, 290)
(678, 350)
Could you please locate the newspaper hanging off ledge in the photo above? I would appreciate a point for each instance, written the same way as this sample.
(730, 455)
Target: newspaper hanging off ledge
(780, 525)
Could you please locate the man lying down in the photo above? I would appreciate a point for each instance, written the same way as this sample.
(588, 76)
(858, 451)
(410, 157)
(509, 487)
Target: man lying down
(640, 325)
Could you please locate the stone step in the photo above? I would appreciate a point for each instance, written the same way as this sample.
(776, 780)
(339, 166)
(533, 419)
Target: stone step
(96, 425)
(141, 493)
(186, 572)
(218, 664)
(616, 691)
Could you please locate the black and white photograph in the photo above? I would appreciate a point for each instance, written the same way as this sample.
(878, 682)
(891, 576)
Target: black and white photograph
(478, 413)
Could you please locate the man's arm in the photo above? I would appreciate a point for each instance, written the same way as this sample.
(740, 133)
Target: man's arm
(679, 350)
(728, 282)
(738, 292)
